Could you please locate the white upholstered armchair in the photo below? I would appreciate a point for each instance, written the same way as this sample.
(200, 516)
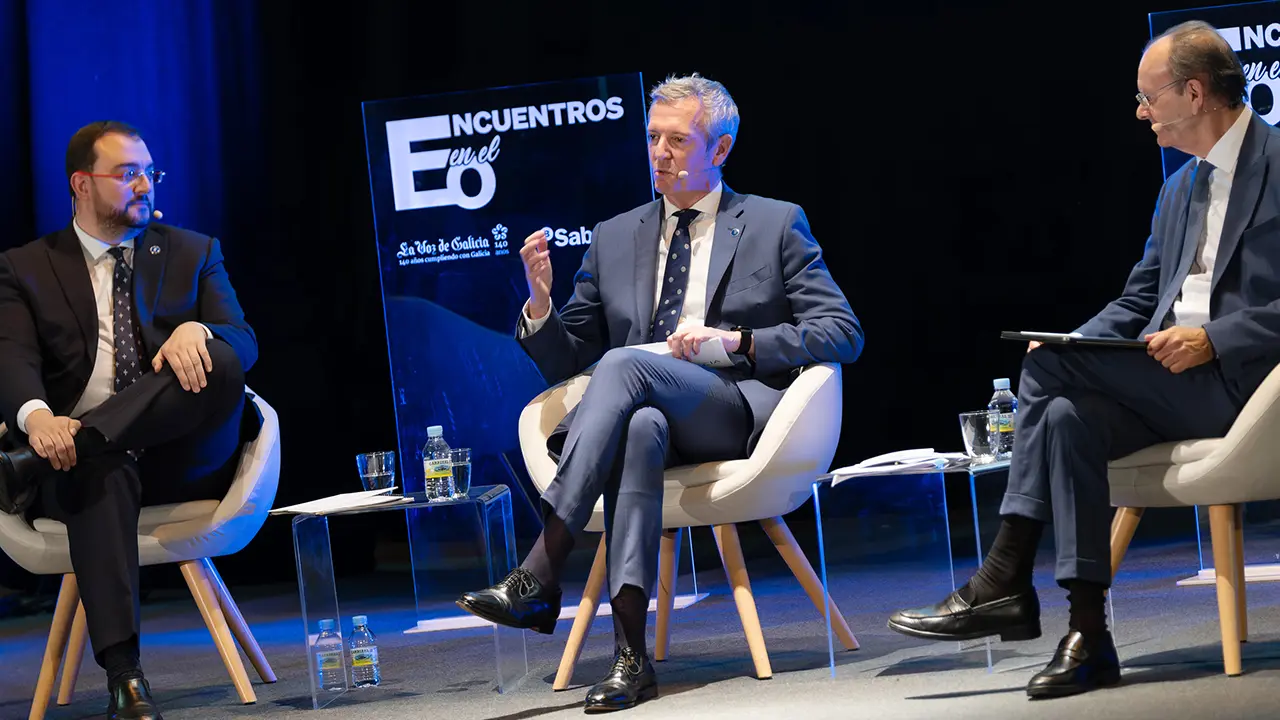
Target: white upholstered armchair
(797, 445)
(1221, 473)
(190, 534)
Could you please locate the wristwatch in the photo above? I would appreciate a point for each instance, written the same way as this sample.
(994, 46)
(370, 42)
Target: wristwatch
(745, 345)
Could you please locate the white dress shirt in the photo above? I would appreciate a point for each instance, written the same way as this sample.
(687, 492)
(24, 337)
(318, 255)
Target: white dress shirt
(102, 385)
(702, 232)
(1191, 309)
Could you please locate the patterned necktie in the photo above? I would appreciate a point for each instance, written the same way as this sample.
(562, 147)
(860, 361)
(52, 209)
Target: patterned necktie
(667, 315)
(128, 360)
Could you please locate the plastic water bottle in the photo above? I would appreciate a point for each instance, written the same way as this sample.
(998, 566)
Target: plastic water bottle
(1005, 403)
(364, 653)
(437, 465)
(328, 653)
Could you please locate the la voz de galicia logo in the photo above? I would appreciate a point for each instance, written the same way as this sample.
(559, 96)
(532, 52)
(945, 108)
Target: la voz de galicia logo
(405, 137)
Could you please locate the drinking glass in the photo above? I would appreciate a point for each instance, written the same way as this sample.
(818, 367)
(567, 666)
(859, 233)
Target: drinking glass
(461, 471)
(377, 470)
(979, 430)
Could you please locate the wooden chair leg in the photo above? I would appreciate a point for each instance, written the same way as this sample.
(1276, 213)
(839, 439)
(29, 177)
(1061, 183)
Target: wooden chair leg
(207, 600)
(777, 530)
(75, 655)
(239, 628)
(1222, 526)
(735, 567)
(582, 621)
(63, 611)
(668, 563)
(1237, 554)
(1123, 526)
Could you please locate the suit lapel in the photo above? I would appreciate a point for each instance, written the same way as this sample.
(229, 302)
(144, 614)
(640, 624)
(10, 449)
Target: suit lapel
(645, 244)
(150, 252)
(66, 254)
(730, 226)
(1246, 188)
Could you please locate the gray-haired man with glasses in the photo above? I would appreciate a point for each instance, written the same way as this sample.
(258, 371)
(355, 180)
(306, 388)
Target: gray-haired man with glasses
(122, 358)
(1205, 296)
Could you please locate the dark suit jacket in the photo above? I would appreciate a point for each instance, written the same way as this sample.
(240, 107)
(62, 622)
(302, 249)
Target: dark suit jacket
(49, 318)
(766, 273)
(1244, 303)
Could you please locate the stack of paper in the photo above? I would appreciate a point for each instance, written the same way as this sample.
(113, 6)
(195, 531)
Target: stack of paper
(345, 501)
(710, 353)
(902, 462)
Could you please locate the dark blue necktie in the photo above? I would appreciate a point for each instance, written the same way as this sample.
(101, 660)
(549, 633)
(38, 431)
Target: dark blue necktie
(676, 279)
(1197, 214)
(128, 356)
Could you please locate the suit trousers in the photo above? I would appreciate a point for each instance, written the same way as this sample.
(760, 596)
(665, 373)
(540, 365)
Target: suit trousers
(1080, 407)
(642, 413)
(189, 445)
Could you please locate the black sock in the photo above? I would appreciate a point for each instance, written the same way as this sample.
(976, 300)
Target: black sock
(1008, 565)
(630, 611)
(121, 661)
(549, 552)
(1088, 602)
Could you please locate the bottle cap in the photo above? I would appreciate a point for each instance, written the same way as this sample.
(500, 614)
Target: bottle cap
(1000, 384)
(359, 620)
(326, 624)
(435, 431)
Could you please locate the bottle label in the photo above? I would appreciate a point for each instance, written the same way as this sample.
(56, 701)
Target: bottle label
(364, 657)
(442, 468)
(1004, 423)
(329, 660)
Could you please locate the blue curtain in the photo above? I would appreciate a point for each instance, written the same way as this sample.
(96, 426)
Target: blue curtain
(184, 73)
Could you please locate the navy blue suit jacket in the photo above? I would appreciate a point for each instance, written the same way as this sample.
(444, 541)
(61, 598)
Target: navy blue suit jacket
(1244, 307)
(766, 273)
(49, 318)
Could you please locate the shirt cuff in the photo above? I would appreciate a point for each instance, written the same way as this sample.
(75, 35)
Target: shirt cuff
(27, 408)
(527, 326)
(208, 334)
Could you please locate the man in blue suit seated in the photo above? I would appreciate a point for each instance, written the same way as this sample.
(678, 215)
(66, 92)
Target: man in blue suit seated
(1203, 296)
(703, 263)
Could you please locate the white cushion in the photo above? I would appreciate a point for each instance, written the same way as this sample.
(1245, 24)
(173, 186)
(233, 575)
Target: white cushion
(172, 533)
(1238, 468)
(150, 518)
(797, 444)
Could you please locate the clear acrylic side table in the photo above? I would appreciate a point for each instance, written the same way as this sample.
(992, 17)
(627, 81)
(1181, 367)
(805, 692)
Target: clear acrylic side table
(974, 471)
(319, 594)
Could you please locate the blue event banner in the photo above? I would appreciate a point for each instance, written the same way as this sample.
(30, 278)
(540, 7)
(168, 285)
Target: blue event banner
(1253, 31)
(458, 181)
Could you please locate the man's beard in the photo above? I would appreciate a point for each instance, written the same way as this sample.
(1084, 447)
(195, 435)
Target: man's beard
(111, 218)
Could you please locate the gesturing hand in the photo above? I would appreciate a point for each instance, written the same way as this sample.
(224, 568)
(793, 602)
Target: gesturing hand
(537, 272)
(186, 353)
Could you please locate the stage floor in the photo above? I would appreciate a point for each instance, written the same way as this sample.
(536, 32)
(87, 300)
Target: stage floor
(1168, 638)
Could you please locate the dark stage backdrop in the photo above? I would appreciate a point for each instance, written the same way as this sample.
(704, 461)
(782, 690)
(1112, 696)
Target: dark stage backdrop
(968, 167)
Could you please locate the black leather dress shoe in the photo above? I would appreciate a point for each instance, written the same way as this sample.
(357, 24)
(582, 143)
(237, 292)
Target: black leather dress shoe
(1015, 617)
(131, 700)
(18, 471)
(519, 601)
(630, 682)
(1077, 666)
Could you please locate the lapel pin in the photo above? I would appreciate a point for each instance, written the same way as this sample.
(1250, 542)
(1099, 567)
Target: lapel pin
(155, 249)
(734, 232)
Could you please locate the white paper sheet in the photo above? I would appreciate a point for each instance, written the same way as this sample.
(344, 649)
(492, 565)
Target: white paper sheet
(344, 501)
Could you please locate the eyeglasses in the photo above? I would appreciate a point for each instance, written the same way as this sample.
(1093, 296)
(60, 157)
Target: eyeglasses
(1146, 100)
(129, 177)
